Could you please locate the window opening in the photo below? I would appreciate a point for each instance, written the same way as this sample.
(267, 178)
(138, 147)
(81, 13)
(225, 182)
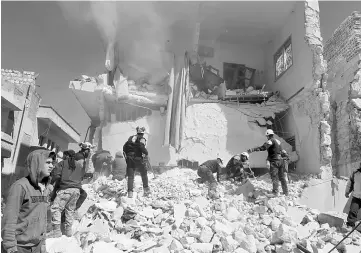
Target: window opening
(283, 58)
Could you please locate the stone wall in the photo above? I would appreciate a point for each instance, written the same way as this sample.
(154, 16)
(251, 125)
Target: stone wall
(316, 91)
(342, 52)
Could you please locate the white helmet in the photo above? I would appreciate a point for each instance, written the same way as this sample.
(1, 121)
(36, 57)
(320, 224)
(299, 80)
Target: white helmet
(245, 154)
(86, 145)
(269, 132)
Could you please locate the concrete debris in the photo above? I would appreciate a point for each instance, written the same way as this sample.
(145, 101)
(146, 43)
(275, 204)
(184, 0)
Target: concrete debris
(174, 219)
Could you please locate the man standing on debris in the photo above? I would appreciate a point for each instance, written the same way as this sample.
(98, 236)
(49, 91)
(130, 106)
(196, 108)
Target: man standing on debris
(136, 153)
(354, 186)
(235, 169)
(206, 170)
(25, 214)
(276, 163)
(67, 177)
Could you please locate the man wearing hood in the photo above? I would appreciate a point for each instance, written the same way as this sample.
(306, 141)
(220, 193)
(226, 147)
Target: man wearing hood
(25, 214)
(68, 176)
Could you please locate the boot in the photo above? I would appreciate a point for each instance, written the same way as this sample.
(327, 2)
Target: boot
(56, 233)
(146, 192)
(130, 195)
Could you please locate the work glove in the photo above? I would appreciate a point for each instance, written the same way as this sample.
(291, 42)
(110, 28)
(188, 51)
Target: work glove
(347, 195)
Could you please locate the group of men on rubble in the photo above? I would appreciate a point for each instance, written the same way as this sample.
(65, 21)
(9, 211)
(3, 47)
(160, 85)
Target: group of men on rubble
(236, 168)
(25, 214)
(24, 225)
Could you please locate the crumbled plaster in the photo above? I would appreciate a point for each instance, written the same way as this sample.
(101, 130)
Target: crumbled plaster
(319, 109)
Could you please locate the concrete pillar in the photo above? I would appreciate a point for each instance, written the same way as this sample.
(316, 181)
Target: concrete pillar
(318, 88)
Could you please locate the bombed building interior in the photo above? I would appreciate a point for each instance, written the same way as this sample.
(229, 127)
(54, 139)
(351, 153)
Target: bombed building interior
(185, 85)
(210, 83)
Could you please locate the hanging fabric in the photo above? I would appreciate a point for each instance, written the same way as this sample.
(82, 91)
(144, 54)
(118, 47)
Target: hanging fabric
(177, 103)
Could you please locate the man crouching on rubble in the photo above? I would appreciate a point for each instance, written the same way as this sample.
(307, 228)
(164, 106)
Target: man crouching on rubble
(136, 153)
(235, 169)
(25, 214)
(276, 163)
(206, 170)
(354, 186)
(67, 177)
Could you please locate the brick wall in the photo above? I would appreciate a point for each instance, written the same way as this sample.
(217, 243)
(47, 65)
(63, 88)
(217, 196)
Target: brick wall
(343, 55)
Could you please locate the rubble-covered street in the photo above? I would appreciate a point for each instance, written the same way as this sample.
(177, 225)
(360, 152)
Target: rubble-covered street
(179, 217)
(117, 115)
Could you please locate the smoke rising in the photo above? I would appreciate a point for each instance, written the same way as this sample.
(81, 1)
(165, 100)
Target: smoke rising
(139, 30)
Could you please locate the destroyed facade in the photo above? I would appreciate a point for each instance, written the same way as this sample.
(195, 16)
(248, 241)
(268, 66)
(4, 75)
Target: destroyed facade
(223, 126)
(26, 123)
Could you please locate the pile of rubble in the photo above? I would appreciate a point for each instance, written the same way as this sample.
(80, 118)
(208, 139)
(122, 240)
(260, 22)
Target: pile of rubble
(180, 217)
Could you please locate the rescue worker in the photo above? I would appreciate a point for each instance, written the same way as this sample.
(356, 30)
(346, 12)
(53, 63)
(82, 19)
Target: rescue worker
(66, 154)
(119, 166)
(136, 152)
(25, 213)
(275, 161)
(206, 170)
(68, 176)
(353, 186)
(235, 169)
(102, 161)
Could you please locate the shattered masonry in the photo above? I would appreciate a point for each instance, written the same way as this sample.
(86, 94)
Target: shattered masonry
(318, 92)
(342, 52)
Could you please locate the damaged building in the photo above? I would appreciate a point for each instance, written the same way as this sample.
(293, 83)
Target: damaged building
(217, 92)
(26, 125)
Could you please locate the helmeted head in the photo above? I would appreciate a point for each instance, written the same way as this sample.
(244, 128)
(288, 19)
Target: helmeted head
(237, 159)
(140, 130)
(269, 133)
(60, 155)
(85, 148)
(39, 164)
(244, 157)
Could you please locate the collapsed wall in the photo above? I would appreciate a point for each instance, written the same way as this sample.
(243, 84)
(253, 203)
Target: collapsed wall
(342, 52)
(211, 130)
(314, 102)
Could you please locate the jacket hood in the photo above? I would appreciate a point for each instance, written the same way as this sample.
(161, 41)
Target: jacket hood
(35, 163)
(119, 154)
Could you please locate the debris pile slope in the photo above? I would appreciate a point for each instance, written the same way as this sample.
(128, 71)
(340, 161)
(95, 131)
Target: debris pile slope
(179, 217)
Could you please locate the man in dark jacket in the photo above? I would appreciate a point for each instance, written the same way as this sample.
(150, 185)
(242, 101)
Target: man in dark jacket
(25, 214)
(68, 176)
(135, 151)
(206, 170)
(235, 169)
(277, 166)
(102, 162)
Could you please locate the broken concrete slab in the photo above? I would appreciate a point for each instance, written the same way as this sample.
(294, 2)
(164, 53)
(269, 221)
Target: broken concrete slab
(245, 189)
(330, 219)
(202, 247)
